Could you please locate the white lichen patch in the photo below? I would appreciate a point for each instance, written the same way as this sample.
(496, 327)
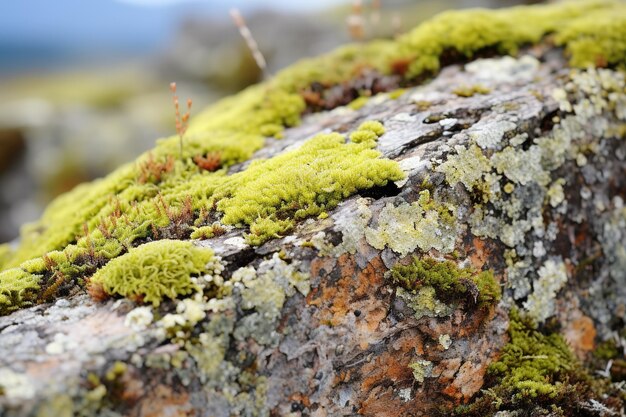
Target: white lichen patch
(15, 387)
(489, 134)
(466, 167)
(60, 344)
(504, 69)
(552, 276)
(421, 370)
(405, 394)
(445, 341)
(406, 227)
(139, 318)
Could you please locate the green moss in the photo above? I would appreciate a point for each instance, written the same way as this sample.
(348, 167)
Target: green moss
(469, 32)
(395, 94)
(449, 282)
(534, 370)
(154, 271)
(469, 91)
(18, 288)
(358, 103)
(607, 350)
(596, 39)
(301, 183)
(99, 221)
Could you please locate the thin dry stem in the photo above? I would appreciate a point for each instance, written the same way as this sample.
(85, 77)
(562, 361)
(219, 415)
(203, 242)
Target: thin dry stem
(250, 41)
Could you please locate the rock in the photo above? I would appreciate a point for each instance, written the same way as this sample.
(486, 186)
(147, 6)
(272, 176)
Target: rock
(504, 240)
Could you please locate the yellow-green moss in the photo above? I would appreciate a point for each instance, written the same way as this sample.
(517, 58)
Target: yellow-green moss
(358, 103)
(469, 91)
(18, 288)
(99, 221)
(535, 369)
(305, 182)
(154, 271)
(368, 131)
(450, 282)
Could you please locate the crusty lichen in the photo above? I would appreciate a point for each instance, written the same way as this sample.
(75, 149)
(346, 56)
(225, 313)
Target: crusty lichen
(423, 224)
(551, 277)
(421, 370)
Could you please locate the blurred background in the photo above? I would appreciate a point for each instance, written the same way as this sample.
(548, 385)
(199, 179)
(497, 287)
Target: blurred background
(84, 84)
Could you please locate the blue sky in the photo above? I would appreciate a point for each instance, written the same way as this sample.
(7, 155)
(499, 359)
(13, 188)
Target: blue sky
(34, 32)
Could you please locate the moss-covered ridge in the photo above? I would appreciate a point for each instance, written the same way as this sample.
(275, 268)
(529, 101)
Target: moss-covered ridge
(153, 199)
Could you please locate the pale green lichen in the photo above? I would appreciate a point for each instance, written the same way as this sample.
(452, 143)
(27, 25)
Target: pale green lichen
(423, 224)
(551, 278)
(154, 271)
(466, 167)
(421, 370)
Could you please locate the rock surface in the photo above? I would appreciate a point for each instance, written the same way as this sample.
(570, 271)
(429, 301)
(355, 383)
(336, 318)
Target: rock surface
(531, 172)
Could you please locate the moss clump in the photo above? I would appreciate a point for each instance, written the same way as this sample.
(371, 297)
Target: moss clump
(18, 289)
(358, 102)
(535, 372)
(368, 131)
(469, 91)
(466, 33)
(154, 271)
(449, 282)
(271, 194)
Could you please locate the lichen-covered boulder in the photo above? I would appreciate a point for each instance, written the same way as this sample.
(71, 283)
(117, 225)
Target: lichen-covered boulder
(449, 246)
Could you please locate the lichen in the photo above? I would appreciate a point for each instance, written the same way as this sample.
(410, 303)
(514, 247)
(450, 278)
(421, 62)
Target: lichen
(421, 370)
(466, 167)
(551, 277)
(423, 224)
(154, 271)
